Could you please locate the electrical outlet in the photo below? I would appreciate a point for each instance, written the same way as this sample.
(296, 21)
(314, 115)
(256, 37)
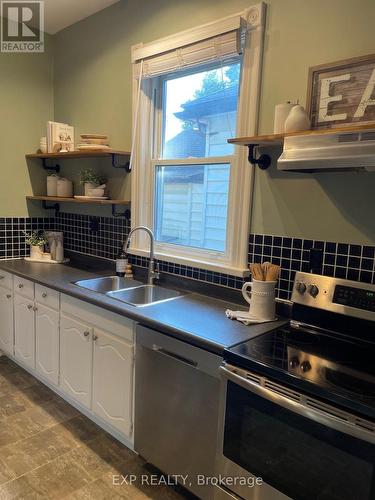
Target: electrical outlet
(316, 261)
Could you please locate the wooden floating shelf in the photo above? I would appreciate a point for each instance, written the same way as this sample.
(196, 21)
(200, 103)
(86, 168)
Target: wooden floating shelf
(264, 160)
(78, 200)
(278, 139)
(79, 154)
(57, 200)
(71, 155)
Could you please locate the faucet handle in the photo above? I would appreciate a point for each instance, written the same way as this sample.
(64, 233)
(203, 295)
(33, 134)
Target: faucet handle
(156, 271)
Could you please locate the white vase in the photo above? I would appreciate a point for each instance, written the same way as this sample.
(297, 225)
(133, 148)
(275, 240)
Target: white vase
(36, 252)
(297, 120)
(88, 187)
(281, 114)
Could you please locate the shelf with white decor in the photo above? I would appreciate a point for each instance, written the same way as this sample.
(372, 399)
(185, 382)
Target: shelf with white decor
(272, 140)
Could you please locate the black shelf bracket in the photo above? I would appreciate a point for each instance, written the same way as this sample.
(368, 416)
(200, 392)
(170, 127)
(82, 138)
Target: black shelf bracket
(125, 214)
(125, 166)
(263, 162)
(56, 167)
(55, 207)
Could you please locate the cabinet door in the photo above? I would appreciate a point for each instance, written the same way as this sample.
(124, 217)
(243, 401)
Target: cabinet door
(113, 381)
(76, 359)
(6, 320)
(24, 330)
(47, 343)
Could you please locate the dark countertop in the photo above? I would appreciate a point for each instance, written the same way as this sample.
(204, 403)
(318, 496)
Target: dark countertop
(194, 318)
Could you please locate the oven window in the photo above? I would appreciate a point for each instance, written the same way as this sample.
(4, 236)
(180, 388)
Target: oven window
(297, 456)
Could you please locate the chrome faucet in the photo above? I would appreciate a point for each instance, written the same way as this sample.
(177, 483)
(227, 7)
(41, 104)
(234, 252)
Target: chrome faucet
(152, 273)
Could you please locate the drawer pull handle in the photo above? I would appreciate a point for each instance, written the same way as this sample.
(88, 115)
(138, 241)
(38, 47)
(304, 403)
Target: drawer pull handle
(20, 285)
(86, 334)
(44, 295)
(29, 307)
(9, 296)
(95, 338)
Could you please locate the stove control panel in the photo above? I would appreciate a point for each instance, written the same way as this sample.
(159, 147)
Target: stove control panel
(354, 297)
(347, 297)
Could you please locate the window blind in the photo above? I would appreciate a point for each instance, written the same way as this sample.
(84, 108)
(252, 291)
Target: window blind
(221, 46)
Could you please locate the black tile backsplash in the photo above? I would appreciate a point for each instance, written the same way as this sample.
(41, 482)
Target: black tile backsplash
(12, 237)
(354, 262)
(103, 236)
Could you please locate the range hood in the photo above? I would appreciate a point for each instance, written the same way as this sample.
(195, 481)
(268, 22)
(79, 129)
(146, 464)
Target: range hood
(332, 151)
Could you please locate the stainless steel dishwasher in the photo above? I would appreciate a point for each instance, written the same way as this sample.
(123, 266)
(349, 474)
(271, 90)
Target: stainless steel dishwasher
(176, 407)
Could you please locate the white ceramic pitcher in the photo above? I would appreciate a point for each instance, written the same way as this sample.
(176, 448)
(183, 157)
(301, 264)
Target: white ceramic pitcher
(262, 300)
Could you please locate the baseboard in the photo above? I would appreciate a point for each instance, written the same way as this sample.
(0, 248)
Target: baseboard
(85, 411)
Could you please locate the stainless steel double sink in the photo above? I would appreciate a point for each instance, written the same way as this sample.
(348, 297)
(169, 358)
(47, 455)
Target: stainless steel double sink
(130, 291)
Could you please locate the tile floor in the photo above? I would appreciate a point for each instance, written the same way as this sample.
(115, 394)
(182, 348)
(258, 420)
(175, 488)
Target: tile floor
(49, 450)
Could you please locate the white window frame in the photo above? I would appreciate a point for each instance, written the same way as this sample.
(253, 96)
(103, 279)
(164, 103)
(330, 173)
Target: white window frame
(234, 260)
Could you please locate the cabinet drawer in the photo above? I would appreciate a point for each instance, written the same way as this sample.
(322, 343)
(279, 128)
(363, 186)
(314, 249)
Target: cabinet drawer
(47, 297)
(6, 280)
(100, 318)
(24, 287)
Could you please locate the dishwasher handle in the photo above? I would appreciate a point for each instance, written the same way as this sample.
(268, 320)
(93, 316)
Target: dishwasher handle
(173, 355)
(194, 357)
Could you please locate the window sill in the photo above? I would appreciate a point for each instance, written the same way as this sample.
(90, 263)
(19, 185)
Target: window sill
(200, 264)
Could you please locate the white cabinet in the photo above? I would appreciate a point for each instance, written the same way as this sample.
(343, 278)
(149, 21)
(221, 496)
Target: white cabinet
(47, 343)
(85, 351)
(6, 320)
(24, 330)
(113, 381)
(105, 352)
(76, 359)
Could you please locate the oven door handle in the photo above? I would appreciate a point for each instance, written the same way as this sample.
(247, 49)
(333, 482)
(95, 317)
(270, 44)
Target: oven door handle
(345, 424)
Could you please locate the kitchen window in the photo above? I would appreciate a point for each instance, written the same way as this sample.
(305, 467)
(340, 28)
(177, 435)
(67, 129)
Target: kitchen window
(192, 92)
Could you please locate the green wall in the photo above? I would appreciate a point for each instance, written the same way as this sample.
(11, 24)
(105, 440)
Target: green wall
(26, 103)
(92, 90)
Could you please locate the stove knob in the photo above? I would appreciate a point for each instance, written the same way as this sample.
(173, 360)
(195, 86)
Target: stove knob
(301, 287)
(313, 290)
(294, 362)
(305, 366)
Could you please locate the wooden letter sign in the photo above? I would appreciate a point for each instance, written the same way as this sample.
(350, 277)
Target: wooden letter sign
(342, 93)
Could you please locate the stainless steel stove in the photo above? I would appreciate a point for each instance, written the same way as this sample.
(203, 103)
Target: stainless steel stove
(299, 401)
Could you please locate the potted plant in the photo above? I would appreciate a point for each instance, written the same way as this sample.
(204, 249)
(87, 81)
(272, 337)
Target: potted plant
(90, 180)
(36, 240)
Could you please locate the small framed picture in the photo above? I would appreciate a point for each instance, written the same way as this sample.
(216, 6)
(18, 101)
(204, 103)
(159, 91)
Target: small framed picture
(342, 93)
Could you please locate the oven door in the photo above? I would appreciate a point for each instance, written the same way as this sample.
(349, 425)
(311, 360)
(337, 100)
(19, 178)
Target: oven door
(302, 448)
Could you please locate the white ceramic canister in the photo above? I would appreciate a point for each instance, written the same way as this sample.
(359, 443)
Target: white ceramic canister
(65, 188)
(52, 185)
(281, 113)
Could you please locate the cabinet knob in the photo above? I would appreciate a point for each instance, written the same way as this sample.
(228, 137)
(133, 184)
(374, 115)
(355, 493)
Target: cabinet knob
(94, 338)
(35, 308)
(20, 285)
(29, 307)
(44, 295)
(86, 334)
(2, 277)
(9, 296)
